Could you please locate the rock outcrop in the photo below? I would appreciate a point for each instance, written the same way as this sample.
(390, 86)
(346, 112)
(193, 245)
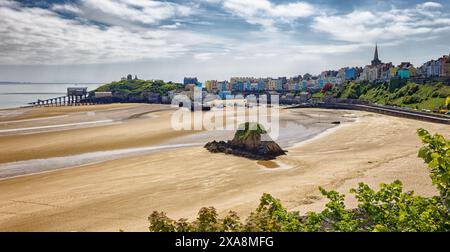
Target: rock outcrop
(247, 143)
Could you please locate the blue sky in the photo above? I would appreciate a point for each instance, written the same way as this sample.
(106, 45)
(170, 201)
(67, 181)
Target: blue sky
(102, 40)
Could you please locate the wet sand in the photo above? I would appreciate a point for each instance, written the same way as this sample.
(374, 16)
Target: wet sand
(120, 194)
(115, 133)
(129, 126)
(42, 112)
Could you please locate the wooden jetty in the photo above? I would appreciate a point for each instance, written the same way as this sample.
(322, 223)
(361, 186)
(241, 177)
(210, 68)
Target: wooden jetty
(76, 96)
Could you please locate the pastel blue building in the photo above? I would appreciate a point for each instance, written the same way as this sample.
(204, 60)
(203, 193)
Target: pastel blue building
(190, 80)
(321, 82)
(247, 86)
(223, 86)
(238, 86)
(437, 67)
(224, 94)
(261, 85)
(279, 86)
(350, 73)
(403, 73)
(430, 67)
(304, 84)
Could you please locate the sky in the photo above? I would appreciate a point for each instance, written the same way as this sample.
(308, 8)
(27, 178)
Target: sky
(86, 41)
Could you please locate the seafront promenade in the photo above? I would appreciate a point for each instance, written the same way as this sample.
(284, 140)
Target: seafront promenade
(386, 110)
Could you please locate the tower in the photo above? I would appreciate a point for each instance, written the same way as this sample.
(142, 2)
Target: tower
(376, 61)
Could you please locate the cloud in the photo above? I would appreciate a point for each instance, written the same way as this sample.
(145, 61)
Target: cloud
(41, 36)
(171, 26)
(7, 3)
(138, 11)
(66, 8)
(141, 31)
(262, 47)
(265, 13)
(323, 49)
(429, 5)
(382, 26)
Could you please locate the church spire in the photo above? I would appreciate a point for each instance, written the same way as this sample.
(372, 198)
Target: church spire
(375, 57)
(376, 61)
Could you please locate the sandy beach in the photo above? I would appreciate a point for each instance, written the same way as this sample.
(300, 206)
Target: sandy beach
(119, 193)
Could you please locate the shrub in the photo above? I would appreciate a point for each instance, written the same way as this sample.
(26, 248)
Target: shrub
(411, 99)
(436, 153)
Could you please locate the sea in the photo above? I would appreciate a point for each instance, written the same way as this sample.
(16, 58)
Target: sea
(13, 95)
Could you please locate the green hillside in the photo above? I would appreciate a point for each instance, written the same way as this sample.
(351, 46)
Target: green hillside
(138, 88)
(398, 93)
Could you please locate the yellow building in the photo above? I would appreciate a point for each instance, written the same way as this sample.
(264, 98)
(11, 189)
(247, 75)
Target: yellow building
(208, 85)
(211, 85)
(412, 71)
(272, 85)
(393, 71)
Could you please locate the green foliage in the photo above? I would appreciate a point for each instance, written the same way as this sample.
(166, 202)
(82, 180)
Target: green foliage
(271, 216)
(138, 88)
(354, 90)
(395, 84)
(250, 130)
(436, 153)
(231, 223)
(317, 95)
(387, 210)
(159, 222)
(411, 99)
(336, 215)
(399, 93)
(312, 222)
(392, 210)
(207, 220)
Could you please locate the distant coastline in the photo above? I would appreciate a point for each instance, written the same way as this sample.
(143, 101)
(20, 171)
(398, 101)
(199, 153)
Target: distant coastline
(49, 83)
(19, 94)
